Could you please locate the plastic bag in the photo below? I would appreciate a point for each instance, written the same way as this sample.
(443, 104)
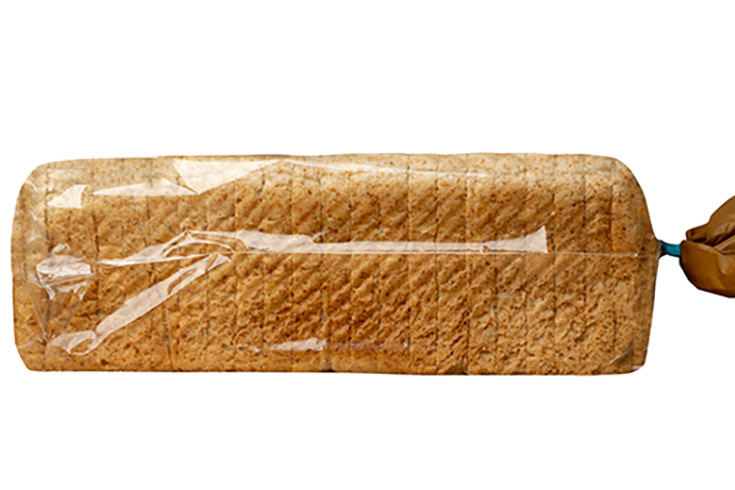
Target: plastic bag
(425, 264)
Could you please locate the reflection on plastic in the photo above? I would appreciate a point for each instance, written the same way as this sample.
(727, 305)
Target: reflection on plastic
(137, 306)
(243, 242)
(63, 273)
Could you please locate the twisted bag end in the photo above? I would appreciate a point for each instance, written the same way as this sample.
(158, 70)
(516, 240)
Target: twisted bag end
(708, 253)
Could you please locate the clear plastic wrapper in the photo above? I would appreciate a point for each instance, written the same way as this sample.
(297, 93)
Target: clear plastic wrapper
(420, 264)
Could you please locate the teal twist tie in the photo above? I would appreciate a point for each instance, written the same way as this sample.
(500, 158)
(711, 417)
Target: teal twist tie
(671, 249)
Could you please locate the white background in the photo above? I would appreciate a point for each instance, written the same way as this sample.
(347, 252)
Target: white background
(651, 83)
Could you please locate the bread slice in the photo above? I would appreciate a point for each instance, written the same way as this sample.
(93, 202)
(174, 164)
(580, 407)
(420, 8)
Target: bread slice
(394, 331)
(278, 322)
(164, 193)
(570, 266)
(423, 283)
(482, 211)
(189, 324)
(635, 257)
(73, 312)
(249, 212)
(365, 265)
(334, 194)
(309, 339)
(511, 280)
(453, 278)
(220, 204)
(598, 338)
(540, 291)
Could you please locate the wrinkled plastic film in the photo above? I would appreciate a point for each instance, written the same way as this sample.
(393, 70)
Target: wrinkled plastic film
(427, 264)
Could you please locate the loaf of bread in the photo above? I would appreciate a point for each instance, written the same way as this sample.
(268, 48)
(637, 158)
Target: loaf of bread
(420, 264)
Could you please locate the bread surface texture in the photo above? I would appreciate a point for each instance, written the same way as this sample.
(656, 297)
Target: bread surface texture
(382, 263)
